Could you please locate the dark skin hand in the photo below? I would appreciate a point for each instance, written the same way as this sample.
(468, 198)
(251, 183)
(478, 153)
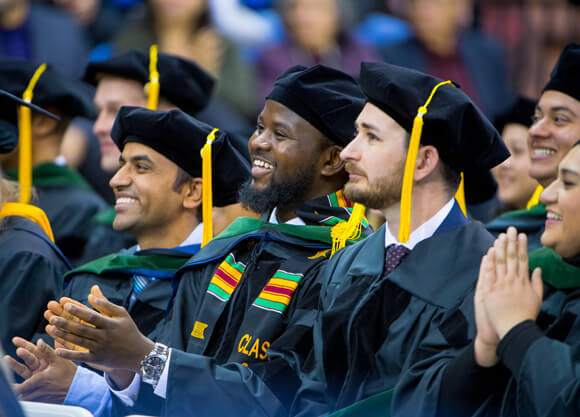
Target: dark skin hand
(109, 333)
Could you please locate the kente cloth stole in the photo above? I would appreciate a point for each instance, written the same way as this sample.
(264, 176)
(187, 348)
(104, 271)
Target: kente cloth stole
(226, 278)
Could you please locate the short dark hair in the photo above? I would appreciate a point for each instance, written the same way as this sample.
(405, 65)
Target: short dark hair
(181, 179)
(450, 176)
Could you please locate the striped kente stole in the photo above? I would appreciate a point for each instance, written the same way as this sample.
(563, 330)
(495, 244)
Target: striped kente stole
(278, 292)
(226, 278)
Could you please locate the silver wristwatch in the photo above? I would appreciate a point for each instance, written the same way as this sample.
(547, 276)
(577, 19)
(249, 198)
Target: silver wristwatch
(153, 364)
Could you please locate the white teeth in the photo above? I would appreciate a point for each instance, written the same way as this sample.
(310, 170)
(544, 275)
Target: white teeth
(553, 216)
(125, 200)
(262, 164)
(543, 152)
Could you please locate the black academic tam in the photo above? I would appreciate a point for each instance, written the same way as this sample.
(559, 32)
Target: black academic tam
(180, 138)
(181, 81)
(465, 138)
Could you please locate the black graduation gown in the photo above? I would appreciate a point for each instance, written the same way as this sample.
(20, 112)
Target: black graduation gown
(539, 372)
(370, 326)
(32, 270)
(69, 204)
(530, 221)
(223, 335)
(114, 275)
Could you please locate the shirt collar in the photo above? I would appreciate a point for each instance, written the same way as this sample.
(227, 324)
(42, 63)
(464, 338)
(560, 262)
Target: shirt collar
(194, 238)
(425, 231)
(297, 221)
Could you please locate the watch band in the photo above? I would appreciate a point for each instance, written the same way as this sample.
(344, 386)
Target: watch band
(153, 364)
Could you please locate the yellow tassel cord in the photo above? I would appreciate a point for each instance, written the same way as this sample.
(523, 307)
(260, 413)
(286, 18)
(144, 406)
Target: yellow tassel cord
(535, 197)
(407, 190)
(25, 139)
(206, 189)
(343, 231)
(460, 196)
(152, 87)
(30, 212)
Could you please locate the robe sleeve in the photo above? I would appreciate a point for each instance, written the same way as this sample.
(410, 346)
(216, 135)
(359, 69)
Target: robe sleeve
(547, 372)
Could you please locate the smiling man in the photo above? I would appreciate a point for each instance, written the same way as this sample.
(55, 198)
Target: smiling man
(120, 81)
(555, 128)
(250, 288)
(158, 190)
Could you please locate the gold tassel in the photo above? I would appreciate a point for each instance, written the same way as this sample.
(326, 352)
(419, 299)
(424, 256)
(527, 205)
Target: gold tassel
(535, 197)
(347, 230)
(407, 189)
(25, 139)
(460, 196)
(206, 189)
(152, 87)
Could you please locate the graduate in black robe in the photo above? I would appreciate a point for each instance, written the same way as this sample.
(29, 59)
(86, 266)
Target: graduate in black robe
(252, 287)
(121, 81)
(61, 192)
(31, 266)
(159, 192)
(548, 142)
(381, 296)
(524, 357)
(521, 360)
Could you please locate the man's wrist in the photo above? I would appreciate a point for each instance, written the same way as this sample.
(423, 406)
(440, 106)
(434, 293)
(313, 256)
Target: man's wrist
(153, 364)
(140, 353)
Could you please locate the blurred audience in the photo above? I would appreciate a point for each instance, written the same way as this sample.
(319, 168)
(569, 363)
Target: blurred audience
(31, 31)
(99, 20)
(444, 45)
(317, 33)
(183, 28)
(533, 34)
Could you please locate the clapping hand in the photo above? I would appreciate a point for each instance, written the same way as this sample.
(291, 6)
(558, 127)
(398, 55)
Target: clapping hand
(109, 334)
(505, 296)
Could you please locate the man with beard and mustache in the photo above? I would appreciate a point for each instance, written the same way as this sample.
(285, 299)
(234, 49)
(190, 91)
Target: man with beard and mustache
(380, 296)
(251, 288)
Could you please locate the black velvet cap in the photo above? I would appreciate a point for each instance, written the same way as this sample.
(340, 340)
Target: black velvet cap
(520, 113)
(465, 138)
(72, 97)
(327, 98)
(8, 129)
(564, 77)
(180, 138)
(181, 81)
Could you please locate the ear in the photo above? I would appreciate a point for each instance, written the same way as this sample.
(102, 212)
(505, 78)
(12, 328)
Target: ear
(42, 125)
(191, 191)
(427, 161)
(331, 162)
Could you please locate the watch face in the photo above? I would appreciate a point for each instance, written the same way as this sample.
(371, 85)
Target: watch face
(154, 362)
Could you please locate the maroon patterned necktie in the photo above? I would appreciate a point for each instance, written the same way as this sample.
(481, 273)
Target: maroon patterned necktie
(394, 256)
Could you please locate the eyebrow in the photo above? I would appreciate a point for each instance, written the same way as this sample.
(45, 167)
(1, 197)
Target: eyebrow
(562, 108)
(136, 158)
(282, 125)
(568, 171)
(367, 126)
